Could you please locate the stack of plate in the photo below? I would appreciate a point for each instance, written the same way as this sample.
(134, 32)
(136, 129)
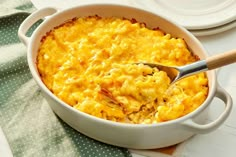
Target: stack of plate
(201, 17)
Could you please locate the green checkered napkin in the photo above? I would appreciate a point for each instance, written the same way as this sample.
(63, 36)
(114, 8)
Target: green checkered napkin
(31, 127)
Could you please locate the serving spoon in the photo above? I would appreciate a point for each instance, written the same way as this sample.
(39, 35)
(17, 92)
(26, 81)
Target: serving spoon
(176, 73)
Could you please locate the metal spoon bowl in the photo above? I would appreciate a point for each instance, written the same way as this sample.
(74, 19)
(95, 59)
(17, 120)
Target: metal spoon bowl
(177, 73)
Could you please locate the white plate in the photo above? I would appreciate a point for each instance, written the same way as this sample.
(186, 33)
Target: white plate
(215, 30)
(194, 14)
(193, 17)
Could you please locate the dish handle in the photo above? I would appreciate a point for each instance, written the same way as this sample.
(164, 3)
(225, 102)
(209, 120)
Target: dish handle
(206, 128)
(30, 20)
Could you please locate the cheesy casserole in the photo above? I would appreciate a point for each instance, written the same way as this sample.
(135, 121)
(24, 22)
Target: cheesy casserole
(88, 63)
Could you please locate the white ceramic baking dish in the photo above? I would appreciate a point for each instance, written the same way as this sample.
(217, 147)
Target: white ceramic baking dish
(141, 136)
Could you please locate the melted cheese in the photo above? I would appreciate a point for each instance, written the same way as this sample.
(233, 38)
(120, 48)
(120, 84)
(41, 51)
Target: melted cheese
(88, 63)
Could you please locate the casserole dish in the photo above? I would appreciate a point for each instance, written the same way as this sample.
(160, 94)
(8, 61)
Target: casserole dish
(140, 136)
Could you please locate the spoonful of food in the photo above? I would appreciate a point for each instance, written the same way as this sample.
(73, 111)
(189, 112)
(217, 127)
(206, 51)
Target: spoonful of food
(176, 73)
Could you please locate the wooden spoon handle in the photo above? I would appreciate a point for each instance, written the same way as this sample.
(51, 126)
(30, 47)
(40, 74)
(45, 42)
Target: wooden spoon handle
(221, 59)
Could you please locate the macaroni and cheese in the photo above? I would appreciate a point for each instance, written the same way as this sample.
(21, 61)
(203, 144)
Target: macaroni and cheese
(88, 63)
